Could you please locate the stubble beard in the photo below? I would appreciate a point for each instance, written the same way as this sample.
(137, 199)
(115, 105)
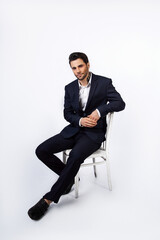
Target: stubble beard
(83, 77)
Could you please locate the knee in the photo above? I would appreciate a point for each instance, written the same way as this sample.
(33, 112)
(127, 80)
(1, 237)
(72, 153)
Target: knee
(39, 152)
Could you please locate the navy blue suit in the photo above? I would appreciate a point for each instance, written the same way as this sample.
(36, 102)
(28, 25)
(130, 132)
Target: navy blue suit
(82, 140)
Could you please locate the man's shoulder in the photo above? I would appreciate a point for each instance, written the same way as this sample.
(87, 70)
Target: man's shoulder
(101, 78)
(72, 84)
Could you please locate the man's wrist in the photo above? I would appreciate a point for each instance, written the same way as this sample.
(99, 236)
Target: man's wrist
(98, 112)
(80, 122)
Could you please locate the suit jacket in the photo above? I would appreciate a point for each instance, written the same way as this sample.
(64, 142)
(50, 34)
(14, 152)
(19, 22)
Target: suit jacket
(102, 96)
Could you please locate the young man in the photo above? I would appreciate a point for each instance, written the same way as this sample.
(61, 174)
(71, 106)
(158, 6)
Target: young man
(88, 100)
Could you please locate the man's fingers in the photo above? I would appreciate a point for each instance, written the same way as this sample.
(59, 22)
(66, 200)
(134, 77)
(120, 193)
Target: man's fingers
(89, 126)
(90, 123)
(93, 118)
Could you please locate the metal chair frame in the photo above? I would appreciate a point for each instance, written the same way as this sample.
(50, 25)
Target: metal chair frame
(102, 152)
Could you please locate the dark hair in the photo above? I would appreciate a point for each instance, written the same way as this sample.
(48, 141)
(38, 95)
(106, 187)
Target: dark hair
(76, 55)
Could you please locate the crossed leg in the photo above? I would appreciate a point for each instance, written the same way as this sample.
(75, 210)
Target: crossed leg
(82, 146)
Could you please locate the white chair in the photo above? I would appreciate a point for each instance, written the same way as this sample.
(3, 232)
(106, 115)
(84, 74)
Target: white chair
(102, 152)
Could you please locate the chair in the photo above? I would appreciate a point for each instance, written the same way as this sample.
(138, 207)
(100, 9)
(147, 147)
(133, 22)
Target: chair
(102, 152)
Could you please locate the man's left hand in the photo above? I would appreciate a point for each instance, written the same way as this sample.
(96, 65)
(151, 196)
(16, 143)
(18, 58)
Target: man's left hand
(94, 115)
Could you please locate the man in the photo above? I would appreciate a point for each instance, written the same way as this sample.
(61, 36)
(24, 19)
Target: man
(88, 99)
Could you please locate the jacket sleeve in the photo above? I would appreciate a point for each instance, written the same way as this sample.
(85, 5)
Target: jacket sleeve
(115, 102)
(70, 114)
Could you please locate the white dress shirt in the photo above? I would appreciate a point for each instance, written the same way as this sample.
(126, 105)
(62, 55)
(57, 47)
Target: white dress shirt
(84, 94)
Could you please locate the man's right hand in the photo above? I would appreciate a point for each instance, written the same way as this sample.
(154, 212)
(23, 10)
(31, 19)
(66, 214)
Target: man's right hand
(88, 122)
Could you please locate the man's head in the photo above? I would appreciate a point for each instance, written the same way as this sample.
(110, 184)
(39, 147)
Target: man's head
(79, 64)
(76, 55)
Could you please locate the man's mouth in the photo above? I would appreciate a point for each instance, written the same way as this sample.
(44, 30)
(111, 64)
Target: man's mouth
(79, 75)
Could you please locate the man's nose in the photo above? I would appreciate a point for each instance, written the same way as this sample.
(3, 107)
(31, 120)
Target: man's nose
(78, 70)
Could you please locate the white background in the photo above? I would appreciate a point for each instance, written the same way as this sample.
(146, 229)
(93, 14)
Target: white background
(121, 39)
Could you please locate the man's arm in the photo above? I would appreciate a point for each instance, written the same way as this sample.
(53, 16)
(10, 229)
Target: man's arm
(69, 114)
(115, 104)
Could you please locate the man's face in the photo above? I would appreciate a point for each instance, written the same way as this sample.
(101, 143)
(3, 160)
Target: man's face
(80, 68)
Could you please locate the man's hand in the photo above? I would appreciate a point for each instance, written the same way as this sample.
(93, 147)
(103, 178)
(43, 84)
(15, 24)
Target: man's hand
(94, 116)
(88, 122)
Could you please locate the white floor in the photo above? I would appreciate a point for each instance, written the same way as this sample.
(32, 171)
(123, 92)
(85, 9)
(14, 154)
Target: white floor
(126, 212)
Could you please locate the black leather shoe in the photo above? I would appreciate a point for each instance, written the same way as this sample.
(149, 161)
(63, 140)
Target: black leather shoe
(38, 210)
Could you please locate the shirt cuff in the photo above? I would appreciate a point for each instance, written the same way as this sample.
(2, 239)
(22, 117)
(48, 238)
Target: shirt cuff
(80, 122)
(98, 112)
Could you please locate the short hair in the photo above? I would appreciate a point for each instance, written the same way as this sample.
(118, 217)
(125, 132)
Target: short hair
(75, 55)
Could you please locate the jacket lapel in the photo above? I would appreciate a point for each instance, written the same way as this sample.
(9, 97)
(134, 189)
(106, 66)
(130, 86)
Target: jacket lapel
(92, 89)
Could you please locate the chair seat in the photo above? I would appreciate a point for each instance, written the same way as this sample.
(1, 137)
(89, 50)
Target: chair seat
(98, 153)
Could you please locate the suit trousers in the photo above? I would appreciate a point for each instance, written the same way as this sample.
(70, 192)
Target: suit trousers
(82, 146)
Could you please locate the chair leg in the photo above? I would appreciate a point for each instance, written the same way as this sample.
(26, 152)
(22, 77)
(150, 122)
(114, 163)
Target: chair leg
(64, 158)
(109, 175)
(94, 168)
(76, 179)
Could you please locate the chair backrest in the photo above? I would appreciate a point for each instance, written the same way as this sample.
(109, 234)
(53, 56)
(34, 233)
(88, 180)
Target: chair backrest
(109, 119)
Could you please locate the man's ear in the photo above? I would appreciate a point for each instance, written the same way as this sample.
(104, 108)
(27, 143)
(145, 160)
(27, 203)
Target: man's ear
(88, 65)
